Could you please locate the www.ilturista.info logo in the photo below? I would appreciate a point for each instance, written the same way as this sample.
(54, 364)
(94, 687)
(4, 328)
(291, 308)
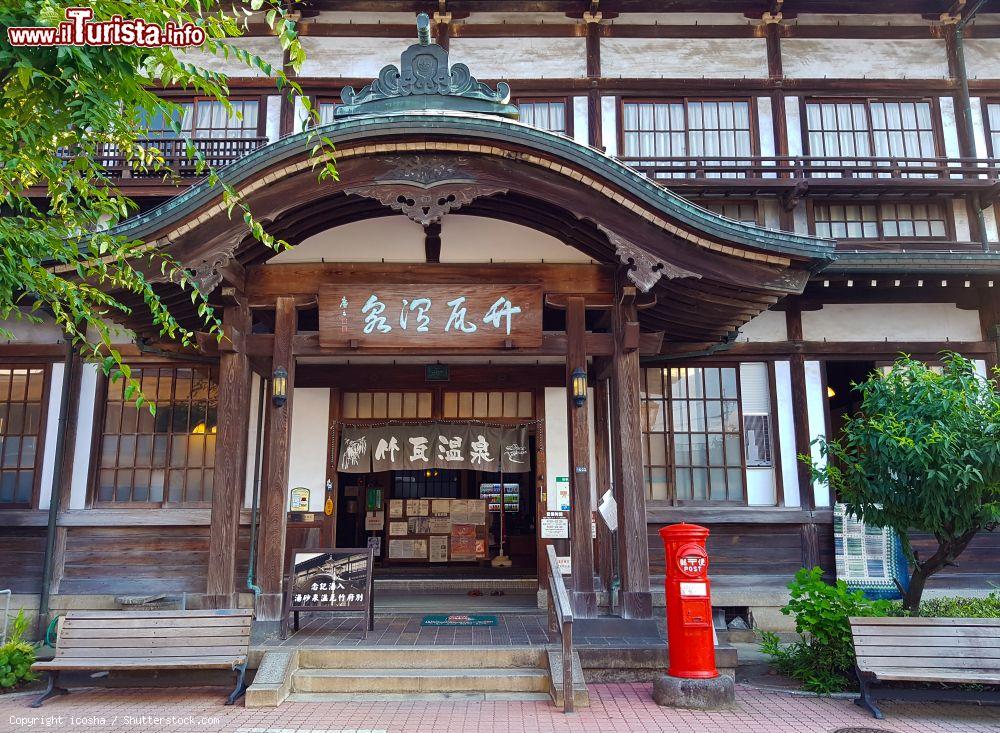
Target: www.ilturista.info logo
(79, 30)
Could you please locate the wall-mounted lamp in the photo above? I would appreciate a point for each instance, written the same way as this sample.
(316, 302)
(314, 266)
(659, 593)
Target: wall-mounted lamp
(579, 386)
(279, 387)
(830, 392)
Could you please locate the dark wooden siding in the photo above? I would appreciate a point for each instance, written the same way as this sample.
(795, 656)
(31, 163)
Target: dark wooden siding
(978, 567)
(22, 553)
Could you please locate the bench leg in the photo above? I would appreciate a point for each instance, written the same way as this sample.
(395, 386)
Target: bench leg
(241, 686)
(865, 700)
(51, 691)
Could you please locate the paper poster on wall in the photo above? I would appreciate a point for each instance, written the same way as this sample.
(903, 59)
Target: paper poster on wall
(419, 550)
(418, 525)
(417, 507)
(565, 565)
(396, 509)
(374, 521)
(555, 528)
(440, 506)
(463, 542)
(439, 549)
(400, 549)
(439, 525)
(376, 544)
(558, 500)
(398, 529)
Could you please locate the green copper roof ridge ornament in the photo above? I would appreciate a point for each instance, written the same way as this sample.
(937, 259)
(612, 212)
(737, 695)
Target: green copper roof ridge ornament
(424, 81)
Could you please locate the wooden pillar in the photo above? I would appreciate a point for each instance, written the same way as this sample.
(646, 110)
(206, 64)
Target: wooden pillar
(803, 438)
(779, 119)
(286, 110)
(581, 545)
(332, 477)
(231, 457)
(274, 501)
(602, 462)
(989, 321)
(595, 136)
(626, 433)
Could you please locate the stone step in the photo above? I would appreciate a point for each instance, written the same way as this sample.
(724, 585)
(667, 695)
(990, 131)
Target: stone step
(581, 696)
(423, 657)
(327, 697)
(421, 680)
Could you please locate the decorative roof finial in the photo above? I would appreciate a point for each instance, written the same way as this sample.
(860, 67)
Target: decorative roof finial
(424, 80)
(423, 29)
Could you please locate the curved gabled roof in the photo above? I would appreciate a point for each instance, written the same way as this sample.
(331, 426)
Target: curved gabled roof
(491, 130)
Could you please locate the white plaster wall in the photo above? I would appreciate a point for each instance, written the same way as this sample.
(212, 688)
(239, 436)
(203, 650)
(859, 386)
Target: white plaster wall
(350, 57)
(521, 58)
(676, 58)
(982, 58)
(84, 437)
(892, 321)
(772, 213)
(765, 128)
(821, 58)
(307, 449)
(272, 123)
(475, 239)
(868, 20)
(786, 433)
(978, 131)
(768, 326)
(793, 125)
(816, 404)
(556, 443)
(51, 433)
(391, 238)
(960, 214)
(609, 125)
(268, 48)
(253, 457)
(300, 118)
(990, 215)
(581, 125)
(949, 127)
(981, 368)
(26, 332)
(800, 218)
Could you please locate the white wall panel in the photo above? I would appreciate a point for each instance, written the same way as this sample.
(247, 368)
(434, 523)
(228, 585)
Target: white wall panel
(581, 124)
(522, 58)
(268, 48)
(350, 57)
(84, 437)
(556, 442)
(51, 433)
(891, 321)
(272, 123)
(609, 125)
(307, 449)
(768, 326)
(816, 404)
(982, 58)
(676, 58)
(824, 58)
(786, 433)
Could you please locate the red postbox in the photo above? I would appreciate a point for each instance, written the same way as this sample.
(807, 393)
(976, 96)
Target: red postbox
(690, 635)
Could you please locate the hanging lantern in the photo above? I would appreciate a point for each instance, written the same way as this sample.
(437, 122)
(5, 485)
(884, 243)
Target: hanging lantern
(579, 385)
(279, 387)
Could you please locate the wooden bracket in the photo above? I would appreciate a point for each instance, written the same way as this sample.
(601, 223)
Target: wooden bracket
(591, 301)
(630, 336)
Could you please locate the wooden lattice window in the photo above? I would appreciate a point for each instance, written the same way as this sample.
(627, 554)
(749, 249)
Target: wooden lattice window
(387, 405)
(714, 132)
(886, 220)
(741, 211)
(548, 114)
(23, 392)
(166, 458)
(475, 405)
(692, 435)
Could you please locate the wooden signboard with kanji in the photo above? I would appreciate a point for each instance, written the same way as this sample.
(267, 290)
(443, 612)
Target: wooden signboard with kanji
(430, 316)
(330, 581)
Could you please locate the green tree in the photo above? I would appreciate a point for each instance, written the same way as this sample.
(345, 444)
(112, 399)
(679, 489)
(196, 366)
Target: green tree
(61, 109)
(921, 455)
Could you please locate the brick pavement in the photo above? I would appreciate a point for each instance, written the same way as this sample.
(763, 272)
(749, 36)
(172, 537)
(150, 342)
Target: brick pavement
(624, 708)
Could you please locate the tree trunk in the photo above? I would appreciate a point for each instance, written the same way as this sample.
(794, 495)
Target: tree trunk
(948, 550)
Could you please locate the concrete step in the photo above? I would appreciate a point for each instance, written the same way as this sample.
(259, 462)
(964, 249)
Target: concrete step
(581, 696)
(423, 657)
(327, 697)
(387, 680)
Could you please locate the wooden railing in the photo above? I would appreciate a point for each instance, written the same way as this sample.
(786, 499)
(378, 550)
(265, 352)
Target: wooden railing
(218, 151)
(561, 622)
(799, 167)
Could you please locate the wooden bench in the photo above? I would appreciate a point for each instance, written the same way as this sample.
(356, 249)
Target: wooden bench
(150, 640)
(953, 651)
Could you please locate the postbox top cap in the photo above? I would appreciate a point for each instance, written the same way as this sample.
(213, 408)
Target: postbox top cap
(684, 531)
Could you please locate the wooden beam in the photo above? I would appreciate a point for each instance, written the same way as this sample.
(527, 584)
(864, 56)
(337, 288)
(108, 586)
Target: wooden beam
(581, 515)
(800, 416)
(231, 462)
(275, 500)
(630, 489)
(595, 135)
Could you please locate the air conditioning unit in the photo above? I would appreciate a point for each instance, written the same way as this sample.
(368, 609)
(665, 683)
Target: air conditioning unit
(757, 439)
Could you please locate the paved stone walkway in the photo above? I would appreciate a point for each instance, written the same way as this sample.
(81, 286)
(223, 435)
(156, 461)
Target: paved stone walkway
(625, 708)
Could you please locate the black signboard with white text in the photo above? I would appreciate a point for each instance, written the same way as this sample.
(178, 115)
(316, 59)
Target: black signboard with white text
(334, 580)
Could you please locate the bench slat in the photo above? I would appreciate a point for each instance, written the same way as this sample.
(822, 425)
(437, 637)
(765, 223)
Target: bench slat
(868, 662)
(935, 642)
(911, 622)
(96, 663)
(194, 614)
(109, 633)
(943, 653)
(935, 632)
(146, 652)
(193, 642)
(133, 622)
(902, 674)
